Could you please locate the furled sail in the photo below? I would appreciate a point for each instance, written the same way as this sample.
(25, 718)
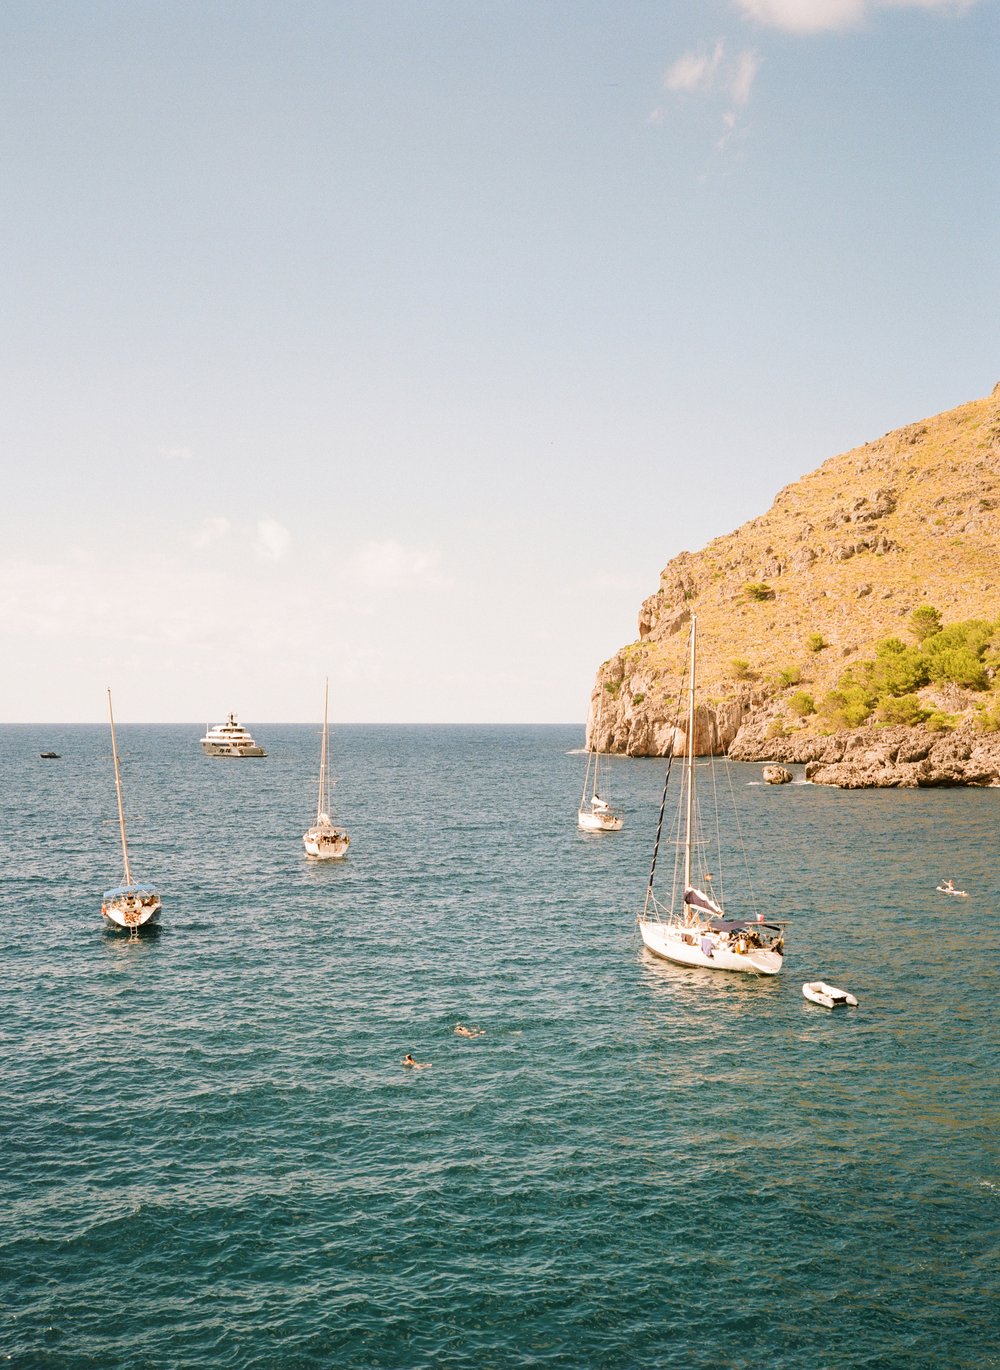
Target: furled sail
(700, 899)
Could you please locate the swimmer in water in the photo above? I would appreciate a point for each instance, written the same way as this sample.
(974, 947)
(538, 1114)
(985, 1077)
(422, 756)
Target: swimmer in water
(415, 1065)
(469, 1032)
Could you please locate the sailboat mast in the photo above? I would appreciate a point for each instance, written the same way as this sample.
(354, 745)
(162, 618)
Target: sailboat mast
(118, 789)
(591, 757)
(690, 762)
(322, 806)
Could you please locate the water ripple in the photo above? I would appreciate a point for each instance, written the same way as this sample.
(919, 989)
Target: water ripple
(213, 1155)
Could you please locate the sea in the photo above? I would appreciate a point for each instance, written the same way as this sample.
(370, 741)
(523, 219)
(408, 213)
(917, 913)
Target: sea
(212, 1155)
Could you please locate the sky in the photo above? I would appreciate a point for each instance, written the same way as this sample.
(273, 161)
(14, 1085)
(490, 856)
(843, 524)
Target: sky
(405, 343)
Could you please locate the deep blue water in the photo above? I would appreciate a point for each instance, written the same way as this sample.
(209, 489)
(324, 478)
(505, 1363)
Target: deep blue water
(212, 1156)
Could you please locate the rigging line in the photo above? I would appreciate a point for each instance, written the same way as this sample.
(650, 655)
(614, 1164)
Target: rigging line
(663, 797)
(659, 825)
(718, 832)
(586, 779)
(591, 753)
(678, 851)
(739, 830)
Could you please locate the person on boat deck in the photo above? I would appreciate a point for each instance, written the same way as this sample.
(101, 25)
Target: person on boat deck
(949, 884)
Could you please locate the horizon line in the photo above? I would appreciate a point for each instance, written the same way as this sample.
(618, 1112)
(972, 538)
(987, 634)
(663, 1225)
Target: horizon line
(285, 723)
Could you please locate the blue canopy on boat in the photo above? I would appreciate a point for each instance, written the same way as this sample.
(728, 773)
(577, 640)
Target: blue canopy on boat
(126, 890)
(740, 924)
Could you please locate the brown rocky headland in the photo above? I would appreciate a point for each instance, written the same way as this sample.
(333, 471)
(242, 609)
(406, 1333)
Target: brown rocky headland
(853, 628)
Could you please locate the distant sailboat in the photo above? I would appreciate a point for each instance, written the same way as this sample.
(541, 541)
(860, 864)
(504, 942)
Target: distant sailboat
(325, 841)
(698, 933)
(596, 814)
(129, 906)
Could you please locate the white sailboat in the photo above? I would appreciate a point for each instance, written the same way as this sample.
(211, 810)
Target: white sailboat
(596, 814)
(325, 841)
(695, 930)
(129, 906)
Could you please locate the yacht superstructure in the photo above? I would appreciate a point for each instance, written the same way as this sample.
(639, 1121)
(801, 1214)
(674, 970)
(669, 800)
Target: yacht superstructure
(230, 739)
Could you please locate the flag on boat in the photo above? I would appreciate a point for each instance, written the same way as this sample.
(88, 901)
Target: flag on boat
(700, 899)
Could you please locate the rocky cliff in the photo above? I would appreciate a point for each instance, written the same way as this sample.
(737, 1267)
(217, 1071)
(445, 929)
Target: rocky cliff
(791, 600)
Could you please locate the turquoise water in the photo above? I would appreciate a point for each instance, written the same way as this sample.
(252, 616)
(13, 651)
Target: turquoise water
(213, 1157)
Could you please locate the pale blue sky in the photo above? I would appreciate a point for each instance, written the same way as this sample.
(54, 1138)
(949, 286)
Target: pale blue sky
(406, 342)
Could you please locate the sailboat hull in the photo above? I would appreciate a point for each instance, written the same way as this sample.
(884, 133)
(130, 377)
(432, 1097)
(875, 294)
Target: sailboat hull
(599, 822)
(687, 946)
(326, 846)
(122, 917)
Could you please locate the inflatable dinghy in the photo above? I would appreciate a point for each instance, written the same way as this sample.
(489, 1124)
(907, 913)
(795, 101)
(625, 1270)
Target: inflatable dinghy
(819, 992)
(960, 894)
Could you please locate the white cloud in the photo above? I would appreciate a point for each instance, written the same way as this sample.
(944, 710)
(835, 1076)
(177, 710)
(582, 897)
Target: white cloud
(694, 71)
(716, 76)
(89, 600)
(273, 540)
(712, 73)
(391, 566)
(209, 532)
(747, 66)
(177, 453)
(817, 16)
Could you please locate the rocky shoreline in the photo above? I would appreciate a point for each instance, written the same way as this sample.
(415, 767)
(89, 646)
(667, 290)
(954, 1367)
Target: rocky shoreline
(882, 758)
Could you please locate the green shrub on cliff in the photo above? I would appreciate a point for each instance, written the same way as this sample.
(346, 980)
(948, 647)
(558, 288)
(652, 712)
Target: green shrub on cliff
(801, 704)
(988, 718)
(940, 722)
(848, 707)
(906, 709)
(924, 621)
(898, 669)
(758, 590)
(956, 653)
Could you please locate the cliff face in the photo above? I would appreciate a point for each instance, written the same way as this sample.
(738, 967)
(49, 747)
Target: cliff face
(787, 602)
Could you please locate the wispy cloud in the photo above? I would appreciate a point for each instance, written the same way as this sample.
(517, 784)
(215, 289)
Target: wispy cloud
(177, 453)
(209, 532)
(273, 540)
(715, 75)
(818, 16)
(694, 71)
(391, 566)
(744, 74)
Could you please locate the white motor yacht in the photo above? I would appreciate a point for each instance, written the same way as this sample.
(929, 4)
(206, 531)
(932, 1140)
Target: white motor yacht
(230, 739)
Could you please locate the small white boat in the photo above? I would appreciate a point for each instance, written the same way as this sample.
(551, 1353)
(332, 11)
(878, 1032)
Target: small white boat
(819, 992)
(325, 841)
(128, 906)
(230, 739)
(596, 814)
(693, 929)
(949, 888)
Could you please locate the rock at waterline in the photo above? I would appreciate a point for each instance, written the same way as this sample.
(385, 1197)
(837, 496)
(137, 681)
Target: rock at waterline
(777, 775)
